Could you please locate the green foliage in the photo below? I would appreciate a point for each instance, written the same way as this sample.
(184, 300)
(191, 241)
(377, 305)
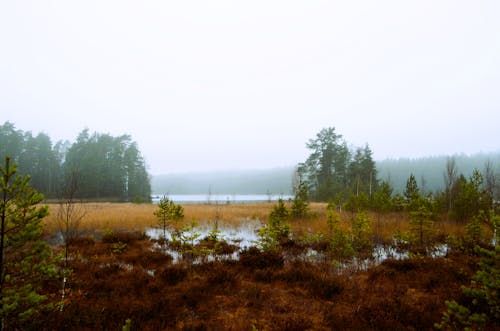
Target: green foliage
(474, 229)
(362, 172)
(167, 213)
(382, 199)
(26, 261)
(398, 202)
(330, 169)
(340, 244)
(128, 325)
(357, 203)
(35, 157)
(118, 247)
(332, 218)
(421, 223)
(482, 310)
(412, 194)
(277, 229)
(183, 240)
(341, 247)
(433, 169)
(361, 232)
(469, 198)
(495, 224)
(109, 167)
(300, 205)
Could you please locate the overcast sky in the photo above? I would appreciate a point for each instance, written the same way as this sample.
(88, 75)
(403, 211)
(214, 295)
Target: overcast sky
(212, 85)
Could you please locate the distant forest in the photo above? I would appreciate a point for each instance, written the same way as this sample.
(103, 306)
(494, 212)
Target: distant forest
(112, 168)
(429, 172)
(97, 166)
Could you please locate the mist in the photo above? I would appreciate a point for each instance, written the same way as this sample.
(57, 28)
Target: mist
(208, 86)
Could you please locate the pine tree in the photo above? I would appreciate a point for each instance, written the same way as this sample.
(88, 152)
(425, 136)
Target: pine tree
(412, 193)
(277, 229)
(481, 310)
(25, 260)
(168, 212)
(300, 204)
(421, 224)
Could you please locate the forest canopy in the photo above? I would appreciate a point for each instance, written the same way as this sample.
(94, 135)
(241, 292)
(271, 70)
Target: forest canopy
(104, 167)
(333, 170)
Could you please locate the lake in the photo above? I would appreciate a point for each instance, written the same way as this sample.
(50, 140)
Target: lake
(221, 198)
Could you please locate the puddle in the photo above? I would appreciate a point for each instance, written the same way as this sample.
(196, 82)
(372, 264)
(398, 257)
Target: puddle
(242, 237)
(245, 236)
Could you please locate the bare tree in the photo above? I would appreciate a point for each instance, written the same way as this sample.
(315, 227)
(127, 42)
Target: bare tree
(69, 216)
(70, 212)
(450, 177)
(490, 179)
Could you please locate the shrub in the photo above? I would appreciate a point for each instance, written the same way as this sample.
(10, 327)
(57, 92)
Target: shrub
(256, 259)
(174, 274)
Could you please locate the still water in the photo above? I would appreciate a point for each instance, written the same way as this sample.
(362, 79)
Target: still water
(221, 198)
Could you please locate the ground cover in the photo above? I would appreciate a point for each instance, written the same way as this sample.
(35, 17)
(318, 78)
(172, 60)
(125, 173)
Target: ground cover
(119, 273)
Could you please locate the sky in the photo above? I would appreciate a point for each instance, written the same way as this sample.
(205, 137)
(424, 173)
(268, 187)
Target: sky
(216, 85)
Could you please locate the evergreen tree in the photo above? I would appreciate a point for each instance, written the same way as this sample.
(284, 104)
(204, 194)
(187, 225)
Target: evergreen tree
(300, 205)
(167, 213)
(25, 260)
(470, 199)
(481, 310)
(277, 228)
(412, 193)
(11, 142)
(362, 172)
(361, 231)
(326, 169)
(340, 244)
(382, 201)
(421, 224)
(109, 167)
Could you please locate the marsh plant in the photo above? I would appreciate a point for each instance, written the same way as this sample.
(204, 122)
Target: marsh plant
(277, 230)
(168, 213)
(340, 246)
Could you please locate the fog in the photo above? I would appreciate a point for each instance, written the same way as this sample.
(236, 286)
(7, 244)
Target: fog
(215, 85)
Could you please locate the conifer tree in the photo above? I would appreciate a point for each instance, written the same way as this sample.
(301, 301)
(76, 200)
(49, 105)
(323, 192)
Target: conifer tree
(277, 229)
(421, 224)
(300, 203)
(168, 212)
(412, 193)
(25, 260)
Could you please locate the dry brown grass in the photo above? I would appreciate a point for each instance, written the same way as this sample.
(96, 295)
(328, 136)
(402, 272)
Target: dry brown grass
(139, 217)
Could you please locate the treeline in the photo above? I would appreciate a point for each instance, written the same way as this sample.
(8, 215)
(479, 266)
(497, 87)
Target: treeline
(348, 179)
(98, 166)
(333, 171)
(430, 171)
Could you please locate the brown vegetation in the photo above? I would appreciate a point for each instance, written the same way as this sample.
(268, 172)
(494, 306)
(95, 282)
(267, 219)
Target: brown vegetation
(121, 274)
(259, 291)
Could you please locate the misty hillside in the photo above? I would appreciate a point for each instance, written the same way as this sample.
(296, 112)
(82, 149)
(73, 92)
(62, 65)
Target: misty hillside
(274, 181)
(429, 172)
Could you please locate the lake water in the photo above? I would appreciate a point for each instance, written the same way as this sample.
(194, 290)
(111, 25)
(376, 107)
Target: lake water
(246, 235)
(221, 198)
(242, 236)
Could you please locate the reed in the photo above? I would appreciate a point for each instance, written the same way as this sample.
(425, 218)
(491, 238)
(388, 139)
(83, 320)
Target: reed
(138, 217)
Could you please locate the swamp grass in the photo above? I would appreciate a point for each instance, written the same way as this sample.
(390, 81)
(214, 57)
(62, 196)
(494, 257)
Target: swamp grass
(122, 274)
(120, 217)
(258, 291)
